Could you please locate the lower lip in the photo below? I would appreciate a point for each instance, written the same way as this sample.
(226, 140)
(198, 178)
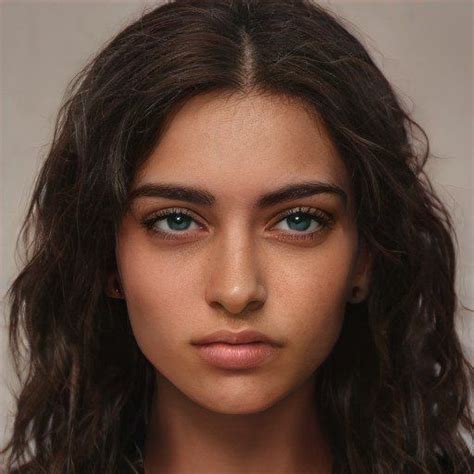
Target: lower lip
(237, 356)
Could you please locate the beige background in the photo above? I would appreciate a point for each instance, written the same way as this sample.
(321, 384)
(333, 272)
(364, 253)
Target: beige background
(425, 48)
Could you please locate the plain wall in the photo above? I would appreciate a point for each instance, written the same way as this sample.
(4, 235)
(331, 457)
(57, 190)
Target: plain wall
(425, 49)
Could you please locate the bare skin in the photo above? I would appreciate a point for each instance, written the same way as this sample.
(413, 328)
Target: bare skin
(237, 266)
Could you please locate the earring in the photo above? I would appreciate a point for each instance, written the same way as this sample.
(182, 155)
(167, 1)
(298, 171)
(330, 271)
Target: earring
(117, 290)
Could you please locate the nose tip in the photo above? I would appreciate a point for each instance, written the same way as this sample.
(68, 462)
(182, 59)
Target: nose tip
(239, 299)
(234, 282)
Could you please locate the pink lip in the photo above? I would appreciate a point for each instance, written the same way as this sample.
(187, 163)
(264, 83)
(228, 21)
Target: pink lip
(243, 337)
(237, 356)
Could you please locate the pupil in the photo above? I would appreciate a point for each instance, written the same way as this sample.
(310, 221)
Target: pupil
(181, 220)
(299, 220)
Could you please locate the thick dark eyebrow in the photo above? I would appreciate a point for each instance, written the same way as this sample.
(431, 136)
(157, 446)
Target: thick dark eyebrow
(205, 198)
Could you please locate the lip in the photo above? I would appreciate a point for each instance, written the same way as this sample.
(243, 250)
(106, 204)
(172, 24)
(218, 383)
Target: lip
(237, 356)
(243, 337)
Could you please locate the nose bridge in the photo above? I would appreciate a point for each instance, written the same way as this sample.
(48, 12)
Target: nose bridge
(235, 280)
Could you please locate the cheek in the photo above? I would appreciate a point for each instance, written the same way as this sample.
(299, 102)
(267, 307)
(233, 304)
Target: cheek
(313, 302)
(158, 303)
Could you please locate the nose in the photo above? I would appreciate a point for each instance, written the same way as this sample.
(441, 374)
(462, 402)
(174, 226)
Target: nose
(234, 282)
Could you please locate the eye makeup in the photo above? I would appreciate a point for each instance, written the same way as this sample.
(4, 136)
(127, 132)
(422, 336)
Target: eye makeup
(295, 216)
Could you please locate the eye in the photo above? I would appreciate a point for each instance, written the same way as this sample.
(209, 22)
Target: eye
(168, 224)
(171, 223)
(302, 219)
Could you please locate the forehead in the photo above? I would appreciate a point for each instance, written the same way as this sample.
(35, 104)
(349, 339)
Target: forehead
(243, 144)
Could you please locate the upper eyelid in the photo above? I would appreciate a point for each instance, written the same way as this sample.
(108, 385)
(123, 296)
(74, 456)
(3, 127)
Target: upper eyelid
(303, 209)
(281, 215)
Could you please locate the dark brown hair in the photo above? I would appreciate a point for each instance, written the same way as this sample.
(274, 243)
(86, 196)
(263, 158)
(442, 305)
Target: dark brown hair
(393, 393)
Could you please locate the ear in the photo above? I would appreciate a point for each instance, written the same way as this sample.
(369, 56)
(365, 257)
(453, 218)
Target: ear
(360, 287)
(113, 287)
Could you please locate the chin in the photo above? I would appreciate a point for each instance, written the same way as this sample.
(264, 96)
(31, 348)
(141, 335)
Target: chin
(239, 404)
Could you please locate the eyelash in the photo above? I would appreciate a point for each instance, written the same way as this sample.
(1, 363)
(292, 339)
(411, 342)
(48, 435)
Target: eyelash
(322, 218)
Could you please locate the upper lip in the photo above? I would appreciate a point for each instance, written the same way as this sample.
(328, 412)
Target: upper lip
(230, 337)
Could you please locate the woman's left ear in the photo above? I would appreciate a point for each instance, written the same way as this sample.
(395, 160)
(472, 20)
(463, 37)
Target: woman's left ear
(362, 275)
(113, 288)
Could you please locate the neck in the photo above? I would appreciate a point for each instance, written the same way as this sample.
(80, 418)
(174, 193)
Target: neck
(183, 436)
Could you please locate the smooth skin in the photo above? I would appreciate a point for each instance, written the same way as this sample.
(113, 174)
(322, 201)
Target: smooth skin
(234, 266)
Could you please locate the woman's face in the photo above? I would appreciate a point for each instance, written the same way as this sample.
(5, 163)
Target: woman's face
(238, 263)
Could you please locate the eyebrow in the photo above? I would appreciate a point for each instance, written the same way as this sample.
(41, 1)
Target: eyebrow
(202, 197)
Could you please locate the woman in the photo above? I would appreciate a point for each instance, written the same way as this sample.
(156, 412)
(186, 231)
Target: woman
(236, 262)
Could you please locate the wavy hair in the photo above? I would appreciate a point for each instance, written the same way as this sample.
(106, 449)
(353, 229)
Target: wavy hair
(393, 393)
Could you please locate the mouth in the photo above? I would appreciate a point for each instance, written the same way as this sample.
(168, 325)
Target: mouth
(237, 338)
(237, 356)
